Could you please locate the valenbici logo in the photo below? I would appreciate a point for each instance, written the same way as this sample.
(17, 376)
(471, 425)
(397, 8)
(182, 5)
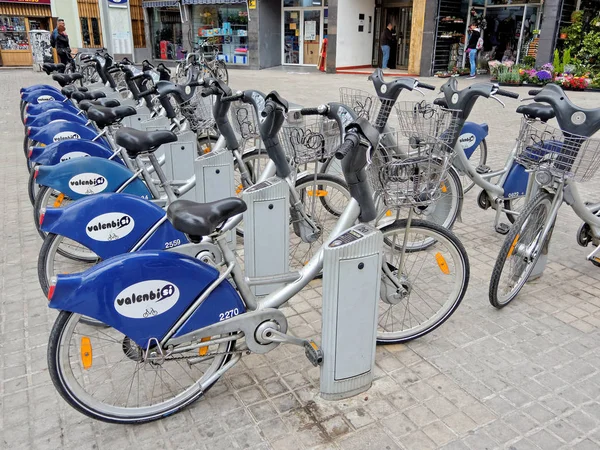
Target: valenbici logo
(110, 226)
(466, 140)
(88, 183)
(146, 299)
(65, 136)
(44, 98)
(73, 155)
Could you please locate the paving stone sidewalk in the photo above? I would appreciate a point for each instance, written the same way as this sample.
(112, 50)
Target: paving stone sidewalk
(525, 377)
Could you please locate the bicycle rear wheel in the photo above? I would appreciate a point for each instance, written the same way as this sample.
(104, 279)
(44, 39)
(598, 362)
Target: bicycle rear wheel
(420, 289)
(520, 251)
(220, 71)
(116, 385)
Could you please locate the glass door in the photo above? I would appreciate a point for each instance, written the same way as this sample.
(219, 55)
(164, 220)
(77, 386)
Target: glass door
(311, 36)
(291, 37)
(403, 35)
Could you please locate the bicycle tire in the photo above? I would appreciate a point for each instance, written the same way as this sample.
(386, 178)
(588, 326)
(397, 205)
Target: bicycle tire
(509, 249)
(220, 71)
(22, 112)
(459, 263)
(32, 187)
(72, 393)
(206, 143)
(41, 201)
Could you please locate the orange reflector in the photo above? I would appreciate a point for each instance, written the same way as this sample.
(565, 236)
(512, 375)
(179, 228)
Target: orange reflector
(202, 351)
(239, 189)
(41, 144)
(313, 345)
(59, 200)
(444, 188)
(318, 193)
(442, 263)
(206, 150)
(86, 352)
(513, 245)
(388, 212)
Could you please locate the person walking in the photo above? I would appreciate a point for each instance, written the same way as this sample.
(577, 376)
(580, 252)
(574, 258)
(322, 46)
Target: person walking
(474, 35)
(60, 41)
(386, 41)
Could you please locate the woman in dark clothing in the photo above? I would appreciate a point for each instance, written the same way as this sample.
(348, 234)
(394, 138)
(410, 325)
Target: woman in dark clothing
(474, 36)
(60, 40)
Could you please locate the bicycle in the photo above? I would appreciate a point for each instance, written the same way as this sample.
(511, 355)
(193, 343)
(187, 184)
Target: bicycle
(183, 319)
(205, 58)
(558, 159)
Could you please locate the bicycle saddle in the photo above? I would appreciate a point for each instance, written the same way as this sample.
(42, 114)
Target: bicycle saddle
(68, 90)
(104, 116)
(84, 105)
(136, 142)
(537, 111)
(95, 95)
(51, 67)
(64, 78)
(202, 219)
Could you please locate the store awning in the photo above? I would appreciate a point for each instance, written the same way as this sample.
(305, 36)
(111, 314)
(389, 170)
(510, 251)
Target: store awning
(210, 2)
(159, 3)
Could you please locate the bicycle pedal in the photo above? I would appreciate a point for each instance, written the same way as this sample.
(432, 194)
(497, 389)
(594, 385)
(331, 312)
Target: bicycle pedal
(483, 169)
(502, 228)
(313, 353)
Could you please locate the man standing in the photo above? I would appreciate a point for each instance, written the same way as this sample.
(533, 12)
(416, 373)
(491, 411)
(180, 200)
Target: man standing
(60, 41)
(386, 40)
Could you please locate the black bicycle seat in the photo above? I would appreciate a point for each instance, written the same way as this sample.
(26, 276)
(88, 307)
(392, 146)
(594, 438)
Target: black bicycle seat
(104, 116)
(94, 95)
(537, 111)
(66, 78)
(51, 67)
(136, 142)
(202, 219)
(84, 105)
(70, 89)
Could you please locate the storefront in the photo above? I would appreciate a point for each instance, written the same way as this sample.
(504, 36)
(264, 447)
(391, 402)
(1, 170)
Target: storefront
(221, 26)
(305, 24)
(399, 14)
(17, 18)
(510, 30)
(166, 37)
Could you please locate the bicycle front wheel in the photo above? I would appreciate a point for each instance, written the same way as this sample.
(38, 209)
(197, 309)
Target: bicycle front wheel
(220, 71)
(117, 385)
(520, 251)
(420, 289)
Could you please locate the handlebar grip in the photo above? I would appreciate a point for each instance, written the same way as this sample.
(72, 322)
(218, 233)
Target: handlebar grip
(426, 86)
(268, 109)
(534, 91)
(161, 66)
(347, 146)
(150, 91)
(509, 94)
(209, 91)
(232, 98)
(311, 112)
(114, 69)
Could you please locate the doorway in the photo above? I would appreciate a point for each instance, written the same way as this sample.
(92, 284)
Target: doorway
(302, 36)
(401, 20)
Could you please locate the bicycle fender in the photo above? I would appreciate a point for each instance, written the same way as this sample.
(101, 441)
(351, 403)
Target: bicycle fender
(165, 237)
(516, 181)
(62, 151)
(34, 110)
(471, 136)
(42, 95)
(143, 294)
(80, 177)
(54, 114)
(62, 130)
(108, 224)
(35, 87)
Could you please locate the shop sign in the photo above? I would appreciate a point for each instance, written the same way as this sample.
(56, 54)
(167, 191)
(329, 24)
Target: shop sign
(251, 4)
(118, 3)
(28, 2)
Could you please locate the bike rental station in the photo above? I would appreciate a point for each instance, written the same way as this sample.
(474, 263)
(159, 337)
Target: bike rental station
(180, 218)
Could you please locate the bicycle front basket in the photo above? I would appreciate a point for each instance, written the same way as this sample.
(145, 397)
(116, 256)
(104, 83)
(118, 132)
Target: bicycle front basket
(198, 112)
(310, 139)
(426, 119)
(243, 119)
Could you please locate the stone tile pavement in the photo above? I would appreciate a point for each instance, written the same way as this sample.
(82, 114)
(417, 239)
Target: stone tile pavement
(526, 377)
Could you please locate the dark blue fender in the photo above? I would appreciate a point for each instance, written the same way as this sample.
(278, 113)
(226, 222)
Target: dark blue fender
(55, 114)
(80, 177)
(109, 224)
(42, 95)
(64, 150)
(25, 90)
(516, 181)
(62, 130)
(34, 110)
(471, 136)
(143, 294)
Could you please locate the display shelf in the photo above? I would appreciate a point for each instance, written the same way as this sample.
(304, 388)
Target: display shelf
(449, 31)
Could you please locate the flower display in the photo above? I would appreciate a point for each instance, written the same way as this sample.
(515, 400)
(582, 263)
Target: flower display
(544, 75)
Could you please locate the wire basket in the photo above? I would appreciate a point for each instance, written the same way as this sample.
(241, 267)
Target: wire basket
(417, 177)
(375, 109)
(426, 119)
(310, 139)
(198, 112)
(244, 121)
(566, 155)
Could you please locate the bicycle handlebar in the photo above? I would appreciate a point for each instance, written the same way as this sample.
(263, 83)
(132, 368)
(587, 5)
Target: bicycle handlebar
(349, 144)
(313, 112)
(233, 98)
(534, 91)
(425, 86)
(150, 91)
(210, 91)
(505, 93)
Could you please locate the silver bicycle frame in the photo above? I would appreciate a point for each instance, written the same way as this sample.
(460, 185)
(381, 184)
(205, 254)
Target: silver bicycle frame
(572, 198)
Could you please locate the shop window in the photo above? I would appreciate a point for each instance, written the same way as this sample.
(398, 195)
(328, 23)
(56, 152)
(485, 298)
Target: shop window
(96, 31)
(165, 27)
(12, 33)
(304, 3)
(89, 17)
(85, 32)
(222, 30)
(137, 23)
